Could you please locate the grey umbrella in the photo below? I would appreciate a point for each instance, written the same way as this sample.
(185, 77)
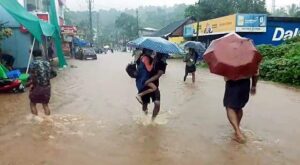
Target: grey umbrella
(198, 46)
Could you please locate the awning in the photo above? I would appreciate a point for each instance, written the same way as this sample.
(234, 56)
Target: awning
(32, 23)
(35, 26)
(80, 43)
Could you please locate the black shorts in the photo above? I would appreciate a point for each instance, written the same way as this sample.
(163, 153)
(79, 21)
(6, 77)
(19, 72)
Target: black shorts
(236, 94)
(154, 96)
(190, 69)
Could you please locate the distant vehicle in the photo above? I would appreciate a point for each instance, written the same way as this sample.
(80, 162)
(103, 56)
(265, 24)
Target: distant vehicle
(86, 53)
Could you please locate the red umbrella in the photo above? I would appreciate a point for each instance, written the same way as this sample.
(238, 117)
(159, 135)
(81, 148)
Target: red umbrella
(233, 56)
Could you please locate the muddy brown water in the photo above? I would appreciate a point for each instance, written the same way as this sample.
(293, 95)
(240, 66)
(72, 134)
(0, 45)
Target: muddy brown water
(96, 120)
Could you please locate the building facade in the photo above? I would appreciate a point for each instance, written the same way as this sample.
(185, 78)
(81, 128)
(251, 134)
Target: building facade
(258, 27)
(20, 43)
(174, 31)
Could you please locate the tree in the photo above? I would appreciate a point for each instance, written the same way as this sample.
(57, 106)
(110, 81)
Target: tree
(281, 12)
(149, 16)
(250, 6)
(68, 17)
(127, 26)
(293, 10)
(289, 11)
(159, 17)
(83, 29)
(208, 9)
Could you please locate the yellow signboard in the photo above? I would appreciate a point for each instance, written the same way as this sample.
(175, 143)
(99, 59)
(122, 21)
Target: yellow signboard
(177, 40)
(220, 25)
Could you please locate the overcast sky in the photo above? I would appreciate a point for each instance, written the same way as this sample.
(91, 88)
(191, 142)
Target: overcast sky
(123, 4)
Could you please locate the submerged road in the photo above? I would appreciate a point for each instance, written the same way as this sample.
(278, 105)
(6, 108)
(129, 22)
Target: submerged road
(97, 120)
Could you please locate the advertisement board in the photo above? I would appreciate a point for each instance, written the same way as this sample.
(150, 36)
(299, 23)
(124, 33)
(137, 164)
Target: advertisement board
(277, 32)
(220, 25)
(177, 40)
(71, 30)
(251, 23)
(217, 26)
(188, 31)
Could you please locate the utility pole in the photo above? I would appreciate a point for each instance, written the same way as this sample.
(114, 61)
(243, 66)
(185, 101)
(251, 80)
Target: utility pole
(198, 22)
(98, 28)
(91, 21)
(137, 22)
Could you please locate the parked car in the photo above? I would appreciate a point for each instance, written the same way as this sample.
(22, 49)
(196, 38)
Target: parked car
(86, 53)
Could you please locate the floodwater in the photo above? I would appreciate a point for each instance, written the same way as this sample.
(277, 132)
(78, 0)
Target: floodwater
(97, 120)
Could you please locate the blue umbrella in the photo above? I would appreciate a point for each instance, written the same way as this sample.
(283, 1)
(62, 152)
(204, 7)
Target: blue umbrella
(156, 44)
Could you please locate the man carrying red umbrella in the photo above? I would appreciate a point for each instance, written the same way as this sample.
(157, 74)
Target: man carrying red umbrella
(235, 98)
(238, 60)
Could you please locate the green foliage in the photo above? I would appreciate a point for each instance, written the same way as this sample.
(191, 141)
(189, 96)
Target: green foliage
(292, 10)
(281, 63)
(280, 12)
(250, 6)
(5, 32)
(104, 20)
(127, 26)
(270, 51)
(293, 40)
(208, 9)
(159, 17)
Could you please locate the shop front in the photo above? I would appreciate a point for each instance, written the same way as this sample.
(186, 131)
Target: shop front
(68, 34)
(258, 27)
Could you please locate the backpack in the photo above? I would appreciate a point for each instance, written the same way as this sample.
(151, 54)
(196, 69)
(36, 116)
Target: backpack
(131, 70)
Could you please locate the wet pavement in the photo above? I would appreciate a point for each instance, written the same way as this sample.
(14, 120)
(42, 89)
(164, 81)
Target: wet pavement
(97, 120)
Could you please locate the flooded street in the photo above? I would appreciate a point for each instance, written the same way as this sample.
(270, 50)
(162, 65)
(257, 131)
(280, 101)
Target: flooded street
(97, 120)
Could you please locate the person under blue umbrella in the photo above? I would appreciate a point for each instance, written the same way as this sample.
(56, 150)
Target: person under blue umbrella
(191, 59)
(159, 68)
(145, 67)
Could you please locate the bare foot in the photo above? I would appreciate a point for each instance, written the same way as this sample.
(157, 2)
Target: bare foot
(37, 119)
(48, 119)
(239, 137)
(139, 99)
(153, 118)
(146, 112)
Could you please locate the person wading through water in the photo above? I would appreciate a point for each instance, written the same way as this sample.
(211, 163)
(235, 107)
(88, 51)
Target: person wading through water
(190, 67)
(40, 90)
(159, 68)
(235, 98)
